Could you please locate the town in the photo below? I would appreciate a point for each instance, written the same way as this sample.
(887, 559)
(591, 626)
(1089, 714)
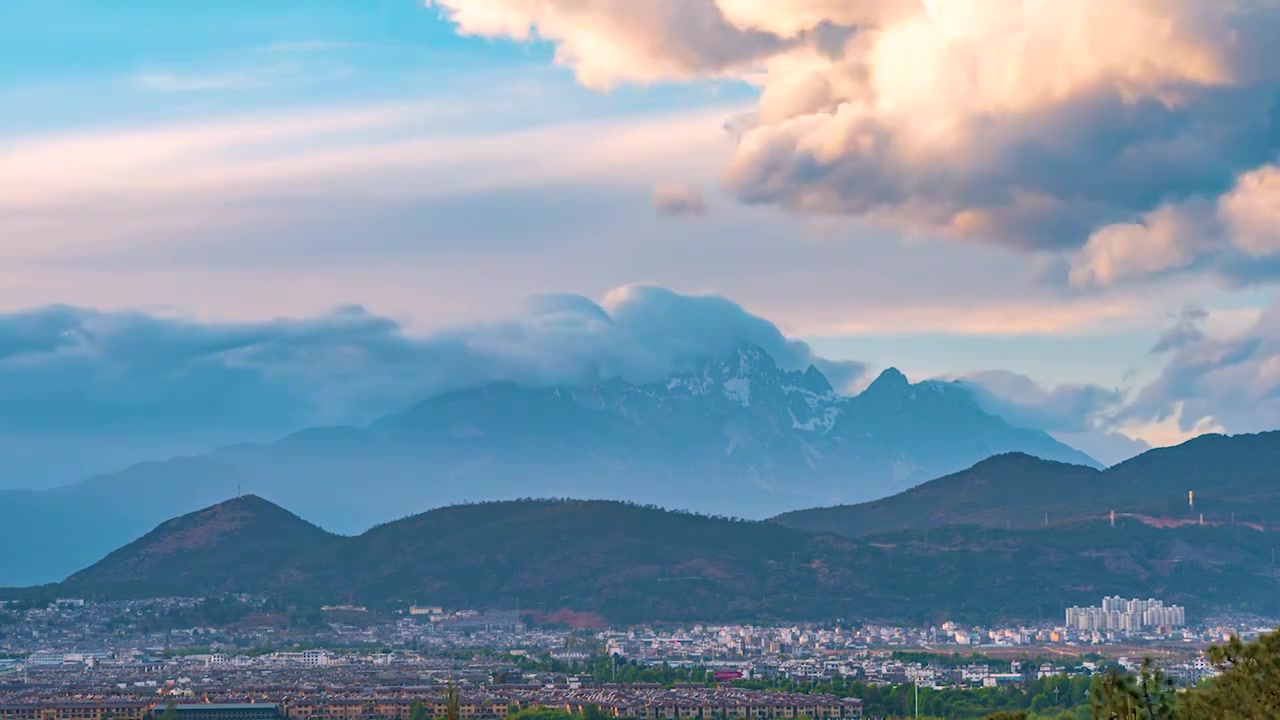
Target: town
(72, 659)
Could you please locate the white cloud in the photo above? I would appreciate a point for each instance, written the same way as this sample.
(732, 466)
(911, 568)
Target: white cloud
(1034, 123)
(1226, 234)
(608, 43)
(1251, 212)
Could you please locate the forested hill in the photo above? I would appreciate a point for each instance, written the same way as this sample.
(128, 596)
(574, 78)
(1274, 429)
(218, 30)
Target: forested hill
(1235, 480)
(621, 563)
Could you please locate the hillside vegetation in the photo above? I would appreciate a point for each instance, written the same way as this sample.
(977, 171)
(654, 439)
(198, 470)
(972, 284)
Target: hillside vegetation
(1236, 480)
(626, 563)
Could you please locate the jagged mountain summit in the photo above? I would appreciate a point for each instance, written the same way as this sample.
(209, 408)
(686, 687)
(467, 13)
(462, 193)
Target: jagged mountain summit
(737, 436)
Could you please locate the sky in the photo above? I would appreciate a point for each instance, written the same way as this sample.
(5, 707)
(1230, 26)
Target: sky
(1073, 206)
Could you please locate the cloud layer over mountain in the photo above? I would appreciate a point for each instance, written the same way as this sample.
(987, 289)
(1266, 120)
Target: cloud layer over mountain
(1226, 383)
(115, 388)
(68, 375)
(1141, 134)
(1022, 401)
(1082, 416)
(64, 366)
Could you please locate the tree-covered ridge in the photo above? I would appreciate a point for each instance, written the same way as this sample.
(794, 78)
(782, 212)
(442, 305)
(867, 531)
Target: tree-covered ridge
(624, 563)
(1234, 481)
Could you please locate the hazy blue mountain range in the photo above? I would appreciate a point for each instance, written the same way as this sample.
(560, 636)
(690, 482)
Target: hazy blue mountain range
(622, 563)
(739, 437)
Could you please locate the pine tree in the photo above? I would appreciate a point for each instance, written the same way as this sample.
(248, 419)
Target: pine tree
(451, 709)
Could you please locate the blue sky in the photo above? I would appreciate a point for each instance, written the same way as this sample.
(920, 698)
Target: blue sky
(84, 64)
(243, 160)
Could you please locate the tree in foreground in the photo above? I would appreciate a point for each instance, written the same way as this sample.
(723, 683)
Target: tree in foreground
(1247, 688)
(452, 711)
(1150, 695)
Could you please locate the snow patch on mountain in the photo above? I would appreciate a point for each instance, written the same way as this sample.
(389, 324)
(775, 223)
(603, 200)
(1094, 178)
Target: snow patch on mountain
(692, 384)
(823, 422)
(823, 408)
(738, 389)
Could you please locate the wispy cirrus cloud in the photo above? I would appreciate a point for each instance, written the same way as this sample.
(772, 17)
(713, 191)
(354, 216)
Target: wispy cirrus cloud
(172, 82)
(1031, 316)
(89, 188)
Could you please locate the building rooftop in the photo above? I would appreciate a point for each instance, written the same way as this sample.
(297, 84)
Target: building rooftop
(224, 706)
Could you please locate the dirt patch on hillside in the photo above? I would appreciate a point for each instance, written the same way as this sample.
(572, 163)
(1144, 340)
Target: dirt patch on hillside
(572, 618)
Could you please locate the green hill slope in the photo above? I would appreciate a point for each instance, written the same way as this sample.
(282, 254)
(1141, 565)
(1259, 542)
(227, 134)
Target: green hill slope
(243, 545)
(631, 564)
(1235, 480)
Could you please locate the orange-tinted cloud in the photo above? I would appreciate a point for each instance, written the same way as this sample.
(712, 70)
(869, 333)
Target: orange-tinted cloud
(1031, 123)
